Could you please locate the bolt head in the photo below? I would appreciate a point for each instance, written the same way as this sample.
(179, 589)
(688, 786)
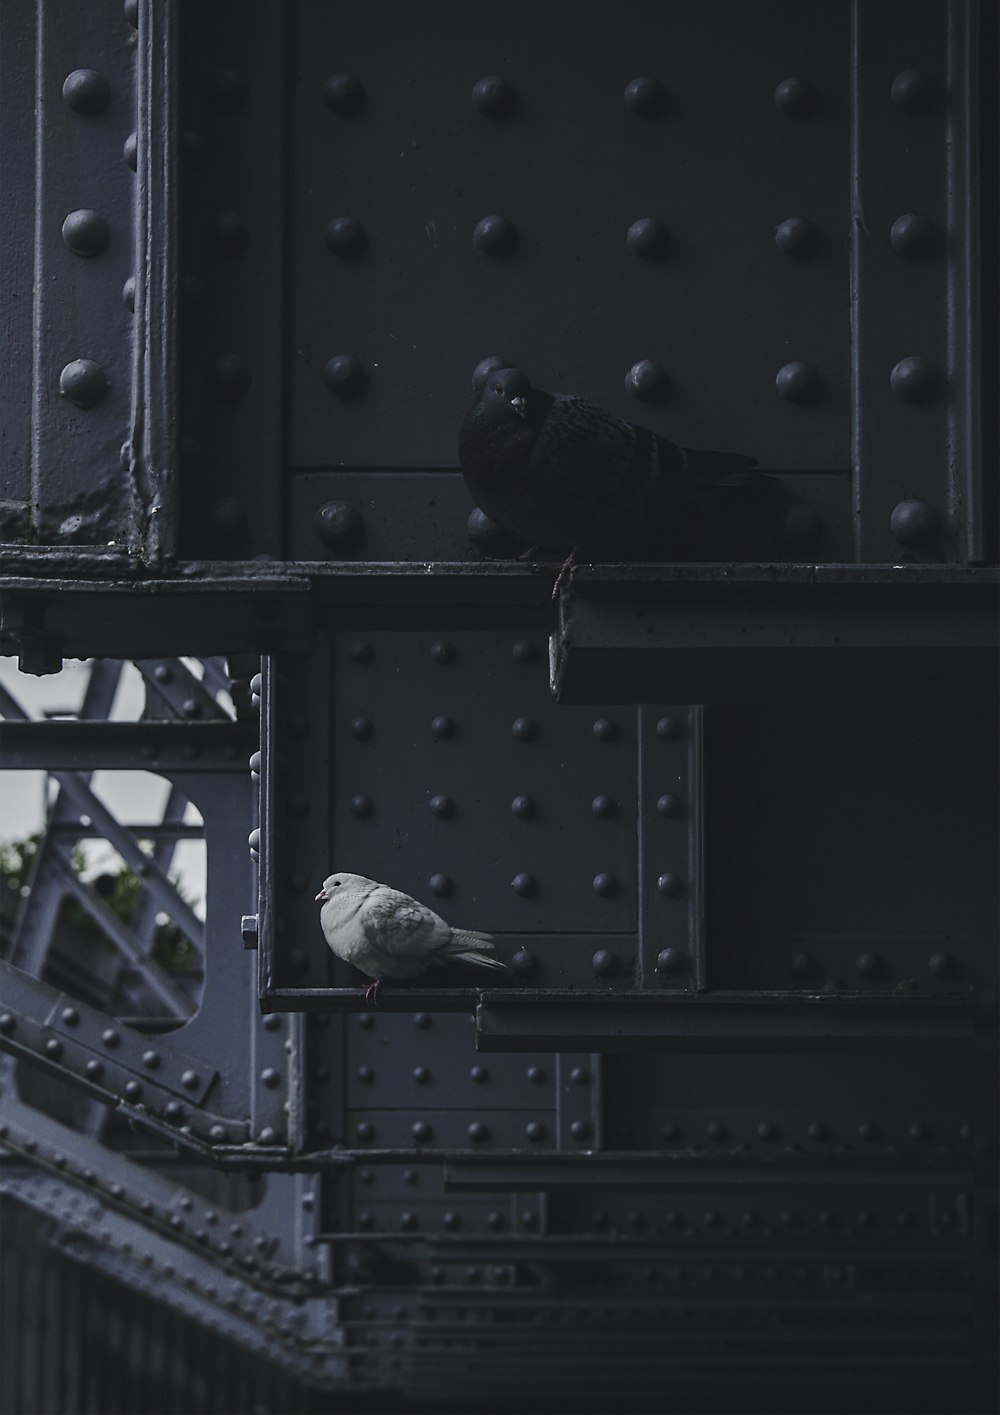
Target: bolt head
(344, 376)
(645, 97)
(796, 97)
(495, 235)
(605, 963)
(671, 960)
(797, 237)
(648, 238)
(493, 96)
(915, 91)
(83, 383)
(913, 235)
(343, 94)
(86, 92)
(798, 382)
(915, 524)
(339, 525)
(914, 379)
(346, 237)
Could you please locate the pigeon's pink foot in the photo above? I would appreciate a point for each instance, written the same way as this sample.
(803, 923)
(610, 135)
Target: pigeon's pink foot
(564, 570)
(371, 992)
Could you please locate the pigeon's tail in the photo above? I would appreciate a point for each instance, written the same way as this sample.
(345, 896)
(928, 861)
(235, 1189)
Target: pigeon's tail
(466, 945)
(707, 468)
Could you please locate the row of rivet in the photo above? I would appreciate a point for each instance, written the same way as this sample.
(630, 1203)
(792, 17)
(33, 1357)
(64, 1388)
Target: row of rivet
(913, 90)
(911, 236)
(537, 1075)
(85, 232)
(815, 1130)
(477, 1131)
(871, 965)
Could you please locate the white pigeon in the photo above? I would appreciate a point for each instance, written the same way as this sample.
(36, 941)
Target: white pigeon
(386, 934)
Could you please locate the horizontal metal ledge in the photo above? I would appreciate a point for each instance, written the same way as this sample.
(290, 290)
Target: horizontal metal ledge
(724, 1022)
(683, 1171)
(778, 633)
(85, 746)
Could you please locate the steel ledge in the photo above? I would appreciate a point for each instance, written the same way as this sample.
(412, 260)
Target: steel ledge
(777, 633)
(791, 1022)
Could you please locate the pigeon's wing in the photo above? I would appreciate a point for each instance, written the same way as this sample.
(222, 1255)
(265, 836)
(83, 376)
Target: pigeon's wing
(399, 927)
(597, 460)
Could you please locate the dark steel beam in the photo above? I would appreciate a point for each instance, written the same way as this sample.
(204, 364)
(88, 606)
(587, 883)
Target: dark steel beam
(724, 1022)
(778, 633)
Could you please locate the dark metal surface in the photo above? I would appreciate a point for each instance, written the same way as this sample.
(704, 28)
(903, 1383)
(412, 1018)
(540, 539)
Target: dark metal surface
(723, 1137)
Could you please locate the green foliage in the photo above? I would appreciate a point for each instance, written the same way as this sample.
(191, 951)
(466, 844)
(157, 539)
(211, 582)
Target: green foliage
(119, 891)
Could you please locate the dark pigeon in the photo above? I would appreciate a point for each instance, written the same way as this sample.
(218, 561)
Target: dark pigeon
(562, 474)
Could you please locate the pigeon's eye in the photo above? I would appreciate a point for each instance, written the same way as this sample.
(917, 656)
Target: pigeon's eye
(337, 883)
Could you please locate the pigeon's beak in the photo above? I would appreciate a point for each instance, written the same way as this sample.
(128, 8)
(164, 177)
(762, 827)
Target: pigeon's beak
(520, 404)
(322, 894)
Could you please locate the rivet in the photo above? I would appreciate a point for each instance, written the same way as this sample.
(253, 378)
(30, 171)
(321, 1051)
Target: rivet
(174, 1111)
(477, 1132)
(362, 653)
(366, 1074)
(801, 963)
(479, 1074)
(226, 521)
(800, 524)
(668, 884)
(668, 727)
(450, 1220)
(647, 381)
(604, 963)
(914, 90)
(817, 1131)
(346, 237)
(365, 1220)
(647, 238)
(364, 1130)
(604, 807)
(54, 1047)
(645, 97)
(217, 1133)
(966, 1132)
(227, 91)
(228, 377)
(580, 1076)
(495, 1220)
(190, 751)
(130, 9)
(534, 1130)
(270, 1077)
(796, 98)
(442, 651)
(362, 807)
(228, 233)
(94, 1069)
(766, 1130)
(669, 1130)
(524, 885)
(523, 651)
(869, 965)
(488, 537)
(798, 382)
(940, 965)
(339, 525)
(523, 961)
(579, 1130)
(797, 237)
(86, 92)
(253, 840)
(422, 1020)
(495, 235)
(83, 383)
(70, 1016)
(867, 1131)
(525, 729)
(536, 1075)
(344, 375)
(441, 806)
(133, 1091)
(59, 1160)
(343, 94)
(668, 805)
(410, 1176)
(523, 807)
(493, 96)
(151, 1059)
(443, 728)
(914, 379)
(671, 960)
(715, 1130)
(421, 1131)
(7, 1023)
(441, 885)
(912, 235)
(605, 884)
(918, 1131)
(366, 1021)
(605, 730)
(421, 1075)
